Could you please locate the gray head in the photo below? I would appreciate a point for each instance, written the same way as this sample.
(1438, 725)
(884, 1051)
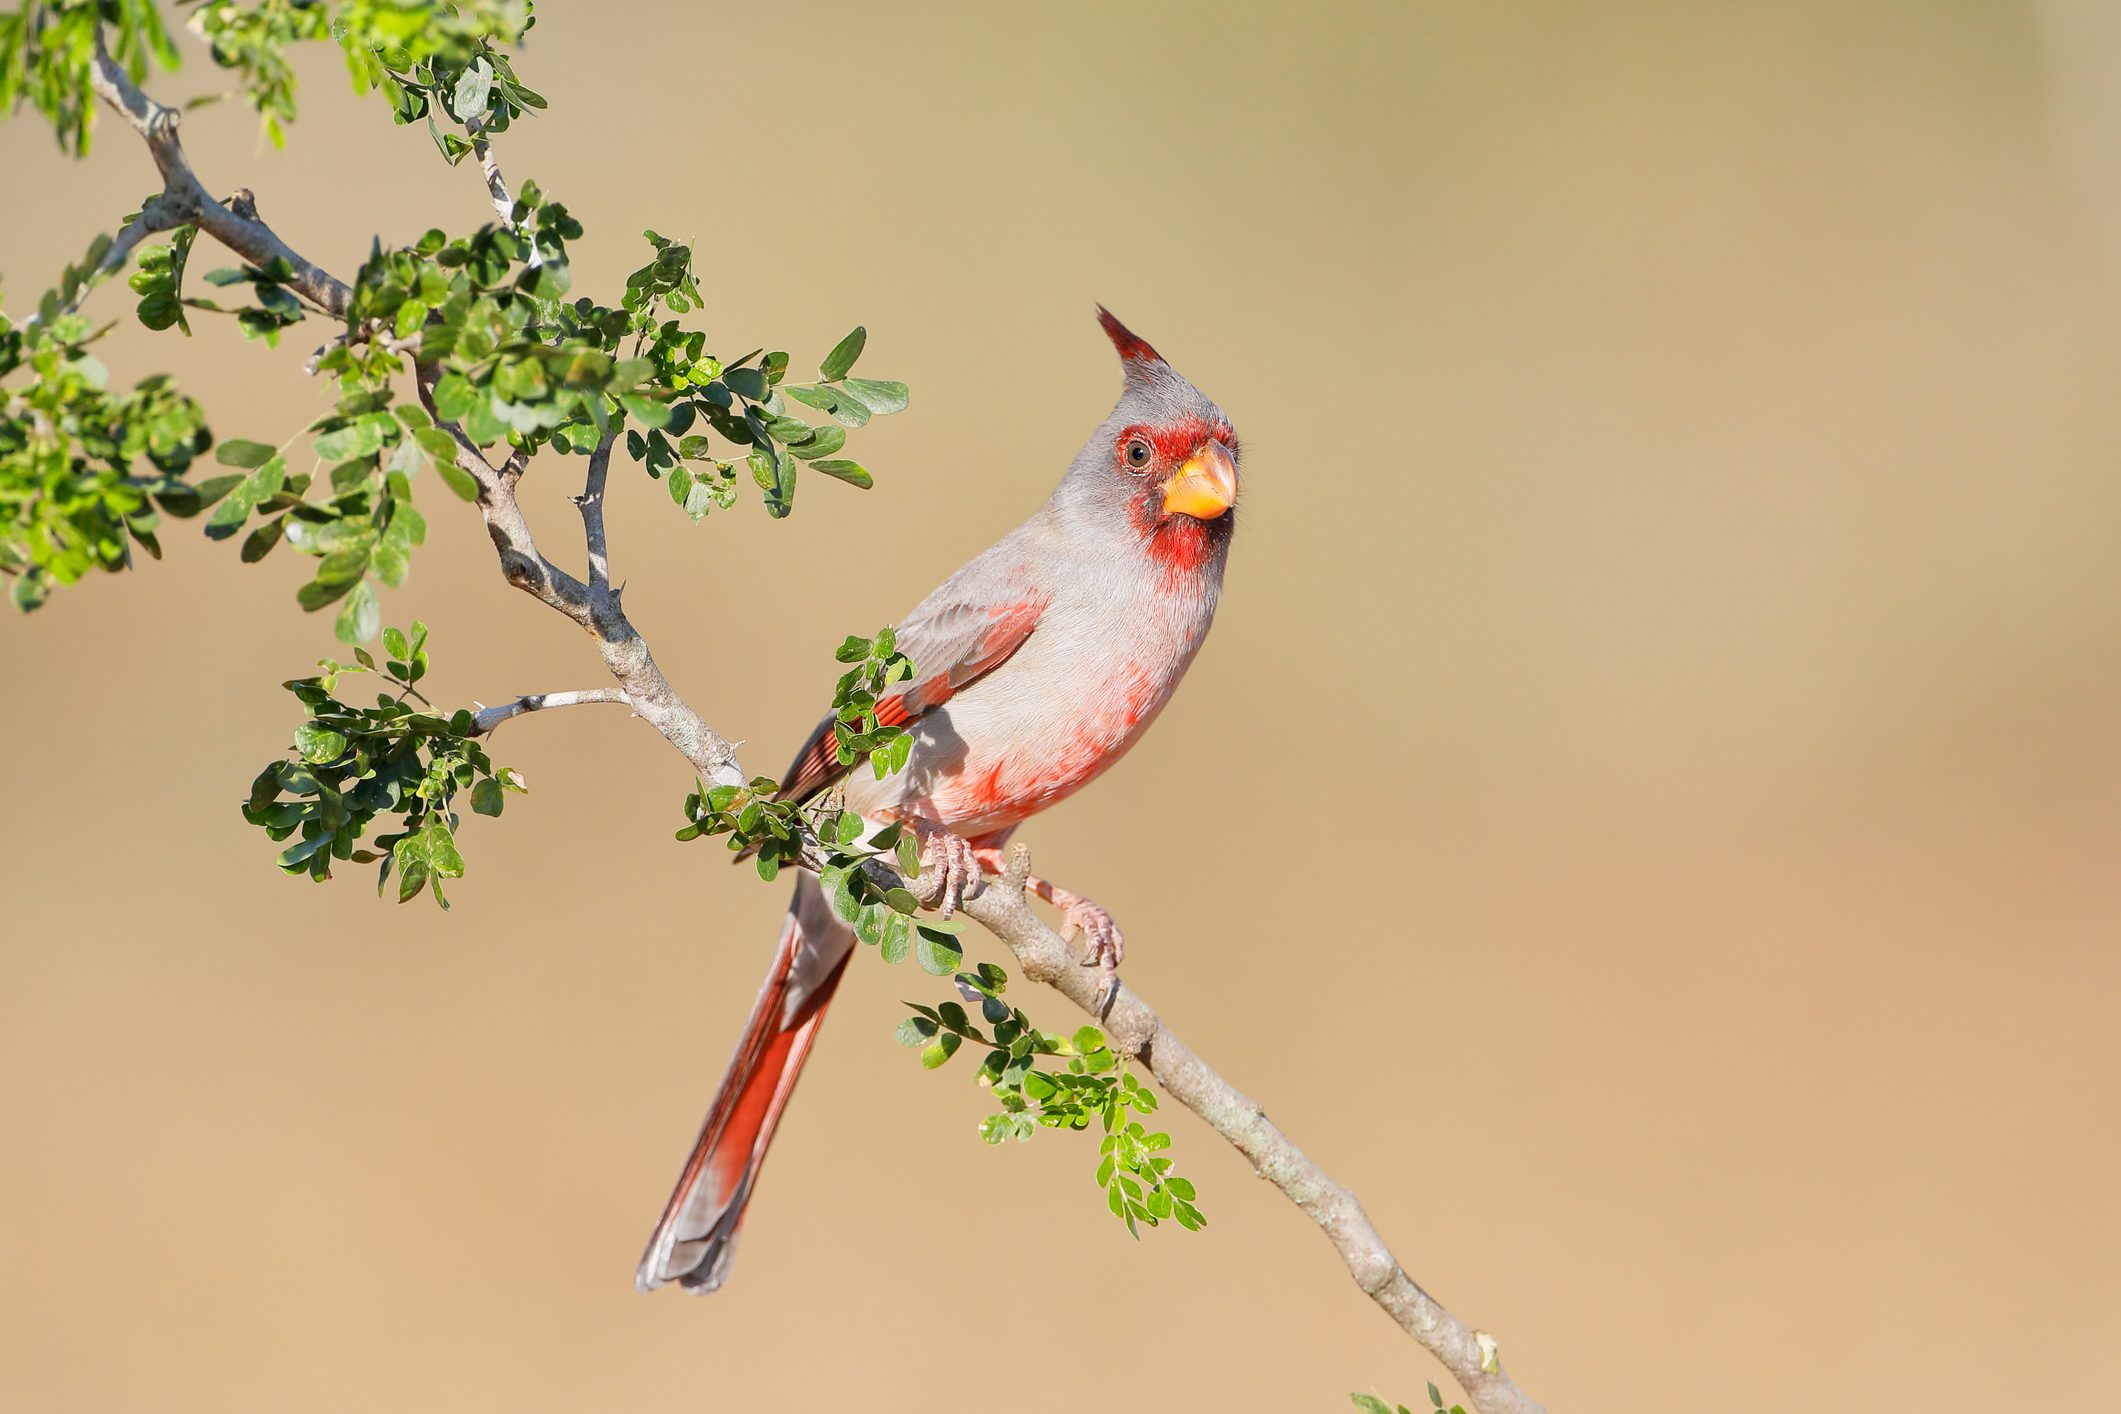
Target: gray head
(1164, 462)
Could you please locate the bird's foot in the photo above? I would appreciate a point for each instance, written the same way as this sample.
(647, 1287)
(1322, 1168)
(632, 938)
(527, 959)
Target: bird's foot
(1107, 945)
(948, 868)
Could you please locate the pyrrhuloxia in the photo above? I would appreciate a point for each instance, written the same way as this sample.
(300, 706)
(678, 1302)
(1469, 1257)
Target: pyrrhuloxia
(1037, 666)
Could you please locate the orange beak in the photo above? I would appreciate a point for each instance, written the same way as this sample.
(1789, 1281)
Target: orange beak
(1205, 486)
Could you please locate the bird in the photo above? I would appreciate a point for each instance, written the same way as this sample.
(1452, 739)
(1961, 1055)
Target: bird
(1037, 665)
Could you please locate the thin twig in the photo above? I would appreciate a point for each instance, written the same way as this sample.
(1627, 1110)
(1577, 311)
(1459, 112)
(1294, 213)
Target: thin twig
(1133, 1027)
(591, 504)
(496, 184)
(522, 565)
(488, 718)
(157, 214)
(366, 333)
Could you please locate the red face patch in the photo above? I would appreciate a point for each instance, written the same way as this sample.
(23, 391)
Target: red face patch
(1169, 444)
(1180, 544)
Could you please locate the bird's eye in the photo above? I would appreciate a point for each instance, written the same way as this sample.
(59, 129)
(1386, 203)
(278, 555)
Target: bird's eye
(1138, 453)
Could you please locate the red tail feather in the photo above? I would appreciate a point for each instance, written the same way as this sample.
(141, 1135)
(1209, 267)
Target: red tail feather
(695, 1242)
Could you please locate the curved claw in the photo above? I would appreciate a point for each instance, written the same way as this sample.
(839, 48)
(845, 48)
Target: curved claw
(948, 865)
(1107, 945)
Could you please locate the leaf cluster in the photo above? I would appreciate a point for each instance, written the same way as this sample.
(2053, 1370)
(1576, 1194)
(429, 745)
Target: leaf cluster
(252, 41)
(740, 401)
(1093, 1087)
(84, 471)
(353, 764)
(881, 917)
(514, 361)
(274, 305)
(757, 821)
(504, 355)
(47, 50)
(425, 57)
(856, 730)
(159, 281)
(363, 531)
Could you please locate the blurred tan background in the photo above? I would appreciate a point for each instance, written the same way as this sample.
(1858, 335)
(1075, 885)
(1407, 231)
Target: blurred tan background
(1682, 521)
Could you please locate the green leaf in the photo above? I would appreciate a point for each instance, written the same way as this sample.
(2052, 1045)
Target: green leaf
(260, 485)
(319, 592)
(648, 411)
(853, 473)
(473, 89)
(937, 952)
(410, 854)
(212, 489)
(260, 542)
(897, 938)
(361, 617)
(348, 558)
(1087, 1039)
(456, 478)
(238, 452)
(915, 1031)
(319, 743)
(486, 796)
(823, 441)
(776, 477)
(360, 439)
(843, 355)
(941, 1049)
(881, 398)
(454, 397)
(442, 848)
(834, 880)
(848, 410)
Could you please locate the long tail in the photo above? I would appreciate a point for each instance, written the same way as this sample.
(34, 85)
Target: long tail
(695, 1242)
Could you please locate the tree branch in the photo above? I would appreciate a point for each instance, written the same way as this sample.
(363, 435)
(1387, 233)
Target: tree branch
(185, 202)
(591, 504)
(1134, 1028)
(496, 185)
(1131, 1024)
(486, 719)
(157, 214)
(522, 564)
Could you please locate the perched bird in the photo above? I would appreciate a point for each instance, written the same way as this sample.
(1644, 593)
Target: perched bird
(1036, 666)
